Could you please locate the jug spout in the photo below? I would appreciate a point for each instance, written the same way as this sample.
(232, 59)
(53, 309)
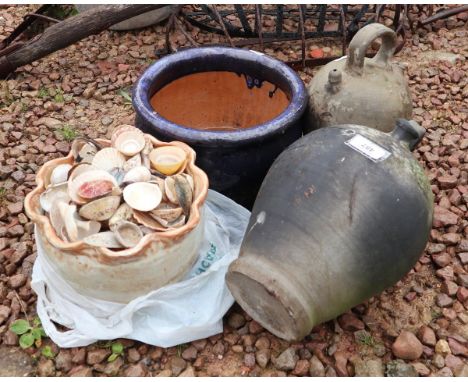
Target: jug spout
(408, 132)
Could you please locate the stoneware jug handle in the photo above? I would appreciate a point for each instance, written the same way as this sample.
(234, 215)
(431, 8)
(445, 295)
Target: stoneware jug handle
(361, 41)
(408, 132)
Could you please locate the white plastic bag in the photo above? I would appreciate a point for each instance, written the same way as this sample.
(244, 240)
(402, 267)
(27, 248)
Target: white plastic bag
(175, 314)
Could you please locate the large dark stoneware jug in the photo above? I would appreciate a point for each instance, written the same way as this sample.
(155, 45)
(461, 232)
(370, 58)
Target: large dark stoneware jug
(343, 213)
(237, 108)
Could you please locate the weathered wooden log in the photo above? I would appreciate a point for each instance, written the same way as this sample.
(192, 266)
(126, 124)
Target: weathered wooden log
(69, 31)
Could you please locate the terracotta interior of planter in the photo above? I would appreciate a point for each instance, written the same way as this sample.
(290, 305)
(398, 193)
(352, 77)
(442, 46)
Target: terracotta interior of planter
(222, 101)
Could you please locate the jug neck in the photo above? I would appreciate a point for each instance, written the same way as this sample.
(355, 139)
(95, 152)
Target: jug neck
(408, 132)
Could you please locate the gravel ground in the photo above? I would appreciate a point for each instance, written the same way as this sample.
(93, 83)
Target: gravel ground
(417, 327)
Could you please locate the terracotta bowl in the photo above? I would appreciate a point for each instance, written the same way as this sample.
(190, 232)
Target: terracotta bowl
(159, 259)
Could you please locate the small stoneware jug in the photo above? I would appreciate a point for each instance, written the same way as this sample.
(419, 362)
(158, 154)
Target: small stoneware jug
(355, 89)
(342, 214)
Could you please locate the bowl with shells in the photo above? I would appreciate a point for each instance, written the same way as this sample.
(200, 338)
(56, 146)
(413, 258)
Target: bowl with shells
(120, 218)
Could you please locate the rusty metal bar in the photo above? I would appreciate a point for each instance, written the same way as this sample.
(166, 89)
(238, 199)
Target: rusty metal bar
(444, 14)
(243, 19)
(303, 42)
(258, 14)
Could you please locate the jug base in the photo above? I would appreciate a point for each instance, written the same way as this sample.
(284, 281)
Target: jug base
(270, 298)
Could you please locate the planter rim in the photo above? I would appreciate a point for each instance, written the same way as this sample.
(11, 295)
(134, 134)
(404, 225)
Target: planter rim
(277, 125)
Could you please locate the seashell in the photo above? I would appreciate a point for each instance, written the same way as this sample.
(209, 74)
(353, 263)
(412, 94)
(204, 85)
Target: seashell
(53, 193)
(60, 173)
(127, 234)
(56, 220)
(142, 196)
(168, 159)
(108, 159)
(148, 221)
(76, 229)
(128, 140)
(80, 168)
(105, 239)
(176, 223)
(84, 149)
(133, 162)
(90, 184)
(100, 209)
(167, 212)
(145, 161)
(137, 174)
(119, 174)
(179, 191)
(124, 212)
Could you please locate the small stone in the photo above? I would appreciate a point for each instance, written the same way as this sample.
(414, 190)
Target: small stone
(113, 368)
(316, 53)
(442, 347)
(444, 372)
(435, 248)
(445, 273)
(438, 361)
(249, 360)
(421, 369)
(81, 371)
(399, 368)
(427, 336)
(462, 279)
(262, 357)
(316, 367)
(46, 368)
(236, 320)
(349, 321)
(447, 181)
(441, 259)
(462, 371)
(218, 348)
(457, 348)
(17, 281)
(138, 370)
(78, 355)
(462, 294)
(255, 327)
(341, 362)
(177, 365)
(463, 246)
(107, 120)
(450, 238)
(444, 217)
(453, 362)
(286, 360)
(96, 356)
(133, 355)
(463, 257)
(165, 373)
(262, 343)
(15, 208)
(188, 372)
(190, 354)
(407, 346)
(443, 300)
(301, 369)
(63, 361)
(18, 176)
(449, 287)
(368, 367)
(4, 313)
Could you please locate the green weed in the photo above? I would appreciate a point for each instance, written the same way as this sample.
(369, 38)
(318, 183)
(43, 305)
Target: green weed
(67, 132)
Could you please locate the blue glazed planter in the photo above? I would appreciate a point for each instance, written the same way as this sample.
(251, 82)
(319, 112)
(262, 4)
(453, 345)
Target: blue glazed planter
(236, 161)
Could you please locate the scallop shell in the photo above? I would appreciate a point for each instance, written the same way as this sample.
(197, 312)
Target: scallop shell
(105, 239)
(56, 220)
(127, 233)
(145, 161)
(137, 174)
(167, 212)
(133, 162)
(124, 212)
(108, 159)
(179, 191)
(142, 196)
(86, 177)
(79, 169)
(100, 209)
(52, 194)
(60, 173)
(119, 174)
(168, 159)
(128, 140)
